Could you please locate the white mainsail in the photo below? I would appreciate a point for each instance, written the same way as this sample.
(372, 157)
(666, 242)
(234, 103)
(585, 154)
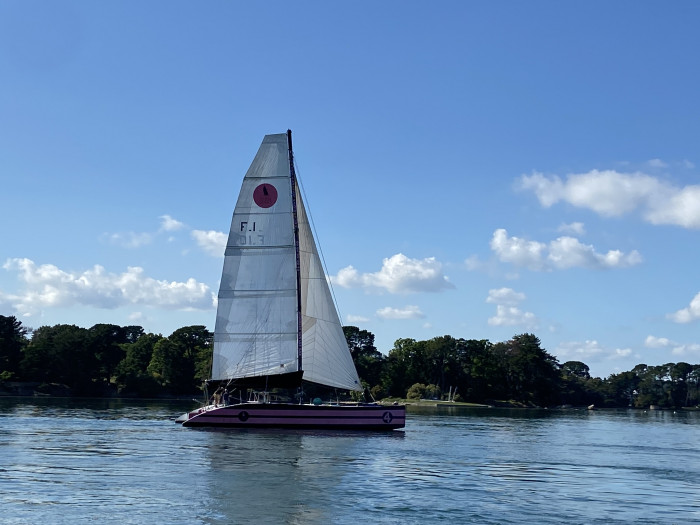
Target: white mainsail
(257, 330)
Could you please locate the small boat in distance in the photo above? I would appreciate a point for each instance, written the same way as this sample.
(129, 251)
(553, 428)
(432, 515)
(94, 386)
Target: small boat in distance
(276, 322)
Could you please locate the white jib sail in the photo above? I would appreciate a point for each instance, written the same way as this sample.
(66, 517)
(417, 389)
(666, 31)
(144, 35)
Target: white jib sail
(256, 322)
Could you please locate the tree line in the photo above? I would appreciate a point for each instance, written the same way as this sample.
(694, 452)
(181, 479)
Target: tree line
(105, 359)
(108, 359)
(518, 371)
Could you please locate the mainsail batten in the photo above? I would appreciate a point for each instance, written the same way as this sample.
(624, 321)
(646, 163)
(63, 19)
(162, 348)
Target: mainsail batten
(258, 326)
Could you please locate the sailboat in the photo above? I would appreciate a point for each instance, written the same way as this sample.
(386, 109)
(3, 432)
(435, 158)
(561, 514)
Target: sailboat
(276, 323)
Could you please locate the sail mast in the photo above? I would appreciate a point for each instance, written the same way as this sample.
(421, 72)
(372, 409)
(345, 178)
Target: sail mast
(293, 178)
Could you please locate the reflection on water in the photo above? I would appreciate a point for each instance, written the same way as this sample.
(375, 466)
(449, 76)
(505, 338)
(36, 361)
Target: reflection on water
(287, 476)
(75, 461)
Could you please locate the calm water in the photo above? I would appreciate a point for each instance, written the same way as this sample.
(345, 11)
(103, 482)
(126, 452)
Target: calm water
(116, 462)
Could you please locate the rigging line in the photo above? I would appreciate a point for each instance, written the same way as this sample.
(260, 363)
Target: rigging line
(316, 236)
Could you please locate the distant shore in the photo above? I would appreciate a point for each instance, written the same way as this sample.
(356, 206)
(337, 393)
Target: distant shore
(515, 404)
(36, 390)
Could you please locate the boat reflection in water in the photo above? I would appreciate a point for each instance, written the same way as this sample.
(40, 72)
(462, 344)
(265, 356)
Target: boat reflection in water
(271, 473)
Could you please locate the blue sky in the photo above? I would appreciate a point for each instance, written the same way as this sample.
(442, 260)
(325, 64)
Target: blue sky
(474, 168)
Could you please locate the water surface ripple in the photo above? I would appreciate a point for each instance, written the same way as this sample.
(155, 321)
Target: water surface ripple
(78, 461)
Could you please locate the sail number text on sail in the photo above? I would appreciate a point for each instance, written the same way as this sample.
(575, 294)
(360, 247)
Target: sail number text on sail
(248, 239)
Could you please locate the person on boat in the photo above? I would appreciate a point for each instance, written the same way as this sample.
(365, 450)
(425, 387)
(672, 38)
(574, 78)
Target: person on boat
(225, 397)
(217, 397)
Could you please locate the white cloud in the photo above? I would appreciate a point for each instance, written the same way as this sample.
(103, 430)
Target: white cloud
(682, 208)
(356, 319)
(407, 312)
(47, 286)
(518, 251)
(657, 163)
(568, 252)
(608, 193)
(168, 224)
(6, 303)
(575, 228)
(512, 316)
(688, 314)
(589, 350)
(679, 349)
(472, 263)
(560, 254)
(622, 352)
(489, 266)
(611, 193)
(137, 317)
(506, 296)
(578, 351)
(399, 274)
(212, 242)
(136, 240)
(507, 311)
(657, 342)
(686, 350)
(128, 239)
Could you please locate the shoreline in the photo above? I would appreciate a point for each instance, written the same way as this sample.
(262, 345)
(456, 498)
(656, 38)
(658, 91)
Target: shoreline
(30, 390)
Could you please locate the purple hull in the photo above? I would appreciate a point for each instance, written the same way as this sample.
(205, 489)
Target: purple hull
(254, 415)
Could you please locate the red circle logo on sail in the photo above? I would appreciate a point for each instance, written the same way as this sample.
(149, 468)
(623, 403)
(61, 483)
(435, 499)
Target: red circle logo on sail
(265, 195)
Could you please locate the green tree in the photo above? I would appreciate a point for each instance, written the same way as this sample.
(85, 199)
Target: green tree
(519, 369)
(482, 377)
(199, 347)
(652, 387)
(416, 391)
(532, 374)
(378, 392)
(202, 364)
(443, 361)
(13, 340)
(576, 386)
(131, 374)
(576, 369)
(168, 366)
(174, 360)
(433, 392)
(622, 389)
(407, 364)
(369, 361)
(680, 378)
(61, 354)
(694, 387)
(133, 333)
(106, 342)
